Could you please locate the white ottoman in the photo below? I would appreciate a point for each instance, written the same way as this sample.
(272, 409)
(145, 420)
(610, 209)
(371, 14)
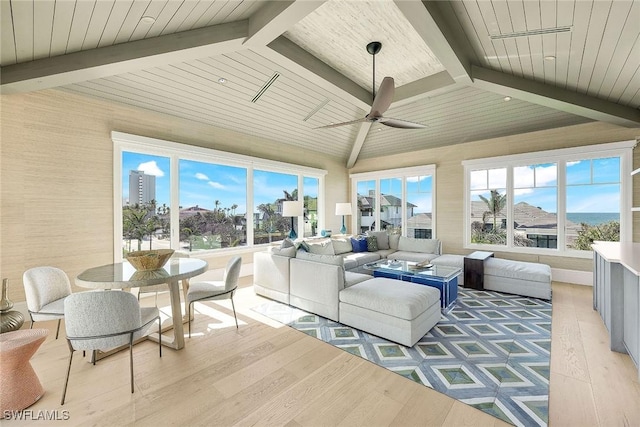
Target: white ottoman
(517, 277)
(399, 311)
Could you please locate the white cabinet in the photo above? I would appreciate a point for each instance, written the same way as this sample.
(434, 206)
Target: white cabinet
(616, 294)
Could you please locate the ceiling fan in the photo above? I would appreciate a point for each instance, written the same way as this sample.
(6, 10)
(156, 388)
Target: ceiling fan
(381, 101)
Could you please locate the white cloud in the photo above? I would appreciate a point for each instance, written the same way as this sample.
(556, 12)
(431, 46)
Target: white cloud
(202, 177)
(216, 185)
(151, 168)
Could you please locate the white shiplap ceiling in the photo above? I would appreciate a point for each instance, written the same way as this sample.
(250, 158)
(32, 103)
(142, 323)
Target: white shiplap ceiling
(450, 60)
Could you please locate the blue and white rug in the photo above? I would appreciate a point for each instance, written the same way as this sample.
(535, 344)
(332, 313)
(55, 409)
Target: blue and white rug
(491, 352)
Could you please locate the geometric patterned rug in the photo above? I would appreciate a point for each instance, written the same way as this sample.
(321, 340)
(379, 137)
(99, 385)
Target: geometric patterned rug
(491, 351)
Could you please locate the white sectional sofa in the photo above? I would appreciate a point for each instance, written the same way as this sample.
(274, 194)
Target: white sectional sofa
(329, 280)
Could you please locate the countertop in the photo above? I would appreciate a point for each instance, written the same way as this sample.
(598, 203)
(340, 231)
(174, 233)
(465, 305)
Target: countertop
(625, 253)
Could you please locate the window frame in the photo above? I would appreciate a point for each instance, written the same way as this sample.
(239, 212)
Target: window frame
(403, 174)
(176, 151)
(621, 149)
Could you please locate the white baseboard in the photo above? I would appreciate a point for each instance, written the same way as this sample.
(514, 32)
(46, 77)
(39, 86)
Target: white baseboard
(572, 276)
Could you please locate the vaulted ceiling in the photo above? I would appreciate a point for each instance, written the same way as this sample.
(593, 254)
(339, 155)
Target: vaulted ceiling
(281, 69)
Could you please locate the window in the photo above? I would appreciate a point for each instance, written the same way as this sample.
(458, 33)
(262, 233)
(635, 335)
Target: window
(401, 201)
(145, 202)
(311, 190)
(270, 190)
(213, 200)
(419, 210)
(170, 195)
(556, 201)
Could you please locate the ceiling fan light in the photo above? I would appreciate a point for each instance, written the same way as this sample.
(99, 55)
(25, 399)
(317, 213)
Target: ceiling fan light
(222, 80)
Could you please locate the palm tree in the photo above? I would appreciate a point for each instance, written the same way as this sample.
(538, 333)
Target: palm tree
(495, 203)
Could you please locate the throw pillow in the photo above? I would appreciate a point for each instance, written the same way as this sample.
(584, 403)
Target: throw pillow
(382, 237)
(324, 248)
(287, 243)
(304, 246)
(341, 245)
(393, 241)
(372, 243)
(289, 252)
(359, 244)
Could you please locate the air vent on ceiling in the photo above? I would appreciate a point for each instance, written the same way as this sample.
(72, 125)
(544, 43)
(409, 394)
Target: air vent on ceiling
(315, 110)
(541, 31)
(266, 86)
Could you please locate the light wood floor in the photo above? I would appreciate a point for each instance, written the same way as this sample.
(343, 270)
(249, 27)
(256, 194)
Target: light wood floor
(267, 374)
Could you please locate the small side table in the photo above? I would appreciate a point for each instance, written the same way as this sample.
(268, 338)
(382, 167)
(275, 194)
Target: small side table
(474, 269)
(21, 387)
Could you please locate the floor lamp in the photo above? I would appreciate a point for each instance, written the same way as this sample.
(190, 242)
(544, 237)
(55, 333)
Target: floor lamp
(343, 209)
(293, 209)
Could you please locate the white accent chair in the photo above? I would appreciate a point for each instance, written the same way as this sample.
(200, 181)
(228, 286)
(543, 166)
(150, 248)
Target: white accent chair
(103, 320)
(216, 290)
(46, 289)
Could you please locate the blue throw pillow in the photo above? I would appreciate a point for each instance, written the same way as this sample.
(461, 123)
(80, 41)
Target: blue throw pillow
(359, 244)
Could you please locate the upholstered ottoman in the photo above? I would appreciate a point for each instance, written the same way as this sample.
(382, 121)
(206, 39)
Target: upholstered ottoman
(399, 311)
(518, 277)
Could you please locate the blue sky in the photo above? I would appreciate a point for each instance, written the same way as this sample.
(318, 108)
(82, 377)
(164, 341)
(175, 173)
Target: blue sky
(203, 183)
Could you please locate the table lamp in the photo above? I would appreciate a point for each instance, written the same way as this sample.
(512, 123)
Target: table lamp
(293, 209)
(343, 209)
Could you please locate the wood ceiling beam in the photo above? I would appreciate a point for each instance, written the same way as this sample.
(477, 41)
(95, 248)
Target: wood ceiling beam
(427, 87)
(275, 18)
(358, 142)
(555, 97)
(292, 57)
(443, 40)
(123, 58)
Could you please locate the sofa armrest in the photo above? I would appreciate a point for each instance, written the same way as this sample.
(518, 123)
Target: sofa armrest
(315, 286)
(271, 275)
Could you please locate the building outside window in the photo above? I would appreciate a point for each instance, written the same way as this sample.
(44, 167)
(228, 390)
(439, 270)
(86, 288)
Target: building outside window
(400, 201)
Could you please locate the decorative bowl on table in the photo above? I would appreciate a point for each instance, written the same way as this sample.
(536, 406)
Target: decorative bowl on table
(149, 260)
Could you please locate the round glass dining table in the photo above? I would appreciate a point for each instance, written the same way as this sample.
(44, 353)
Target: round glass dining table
(122, 275)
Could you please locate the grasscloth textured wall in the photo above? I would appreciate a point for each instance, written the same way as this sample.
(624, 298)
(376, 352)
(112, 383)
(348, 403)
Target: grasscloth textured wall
(56, 177)
(450, 185)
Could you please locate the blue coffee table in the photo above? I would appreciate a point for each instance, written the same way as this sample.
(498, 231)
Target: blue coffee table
(441, 277)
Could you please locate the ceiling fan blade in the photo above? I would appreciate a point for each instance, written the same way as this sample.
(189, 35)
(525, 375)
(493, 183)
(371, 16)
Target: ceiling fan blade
(402, 124)
(335, 125)
(383, 98)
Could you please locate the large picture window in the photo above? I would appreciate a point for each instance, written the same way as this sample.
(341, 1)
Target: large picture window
(400, 201)
(171, 195)
(559, 201)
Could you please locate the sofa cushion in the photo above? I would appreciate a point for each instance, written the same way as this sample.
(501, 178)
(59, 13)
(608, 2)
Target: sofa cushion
(426, 246)
(359, 244)
(341, 245)
(517, 270)
(449, 260)
(382, 237)
(372, 243)
(361, 258)
(386, 253)
(321, 248)
(324, 259)
(396, 298)
(412, 256)
(288, 252)
(352, 278)
(393, 241)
